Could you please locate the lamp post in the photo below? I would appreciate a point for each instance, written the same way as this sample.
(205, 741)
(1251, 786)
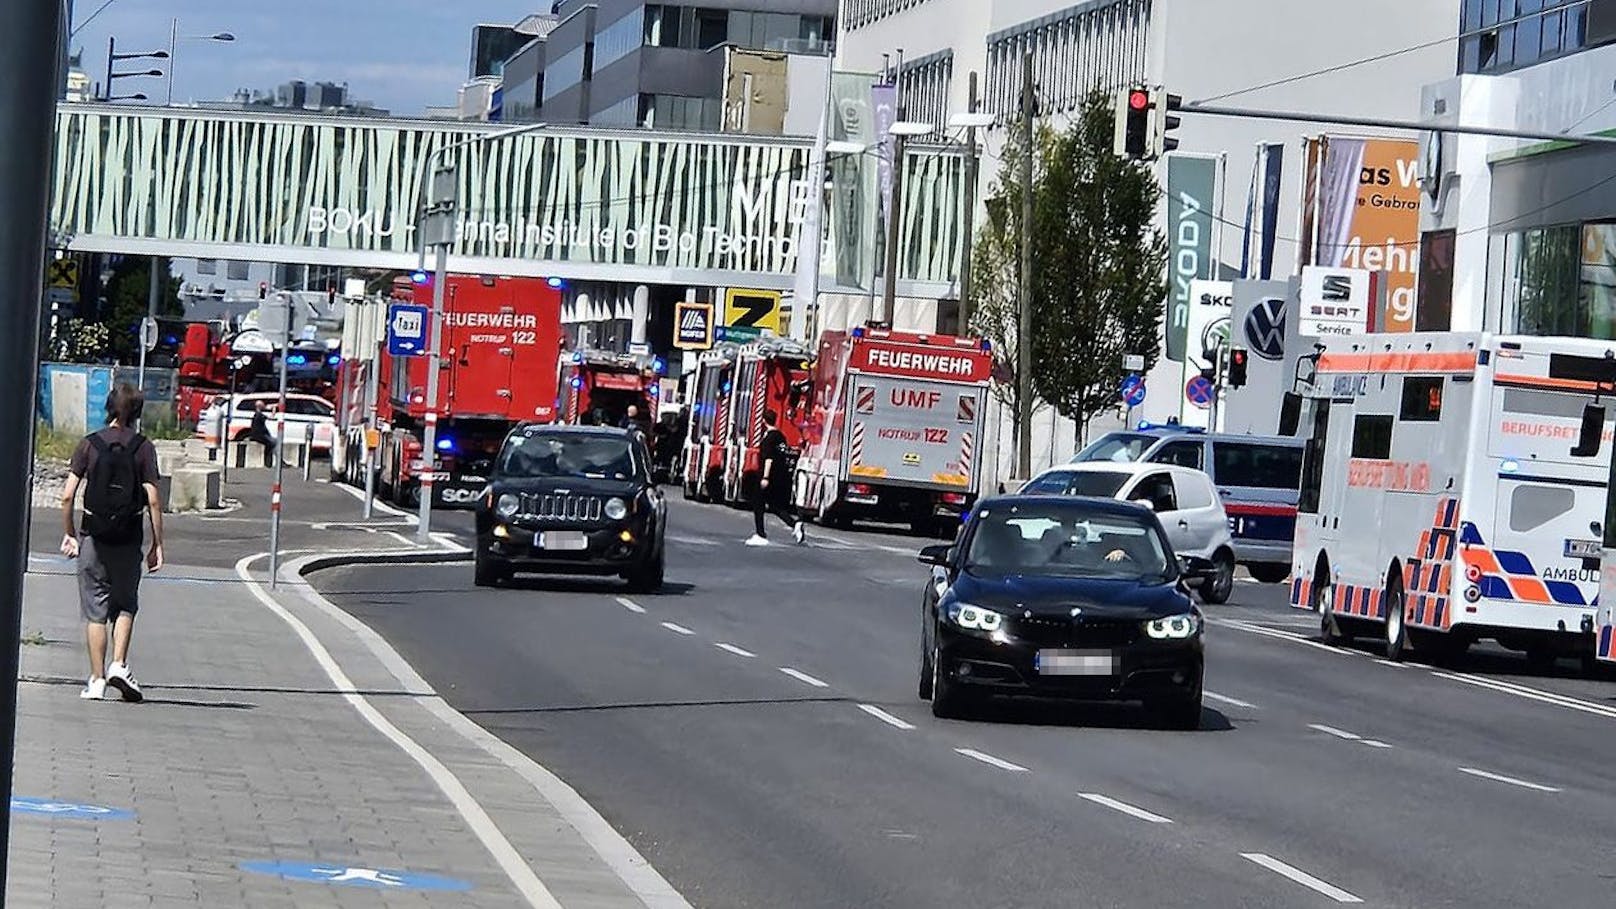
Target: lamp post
(901, 131)
(112, 59)
(970, 122)
(174, 39)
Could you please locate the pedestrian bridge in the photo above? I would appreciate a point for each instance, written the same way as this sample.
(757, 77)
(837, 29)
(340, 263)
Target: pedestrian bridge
(580, 203)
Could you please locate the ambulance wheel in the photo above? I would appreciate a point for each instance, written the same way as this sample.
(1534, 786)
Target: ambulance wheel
(1269, 572)
(1396, 628)
(1324, 605)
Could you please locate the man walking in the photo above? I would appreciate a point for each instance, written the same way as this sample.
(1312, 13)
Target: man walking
(259, 431)
(117, 468)
(773, 490)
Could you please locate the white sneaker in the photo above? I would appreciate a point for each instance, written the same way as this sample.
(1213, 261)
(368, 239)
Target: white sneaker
(94, 690)
(756, 540)
(118, 677)
(799, 533)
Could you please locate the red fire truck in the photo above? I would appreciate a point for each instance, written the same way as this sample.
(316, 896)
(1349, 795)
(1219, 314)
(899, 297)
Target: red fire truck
(709, 391)
(599, 387)
(771, 374)
(895, 428)
(501, 340)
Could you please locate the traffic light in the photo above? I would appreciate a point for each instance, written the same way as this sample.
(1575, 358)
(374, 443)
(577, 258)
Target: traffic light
(1238, 357)
(1163, 122)
(263, 290)
(1133, 132)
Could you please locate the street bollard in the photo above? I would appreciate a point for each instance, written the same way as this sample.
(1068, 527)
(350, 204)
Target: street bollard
(308, 451)
(370, 476)
(224, 448)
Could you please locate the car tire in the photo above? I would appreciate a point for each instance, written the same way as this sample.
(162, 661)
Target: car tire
(1269, 572)
(948, 702)
(1330, 629)
(1396, 622)
(1180, 713)
(648, 578)
(1217, 589)
(488, 572)
(925, 672)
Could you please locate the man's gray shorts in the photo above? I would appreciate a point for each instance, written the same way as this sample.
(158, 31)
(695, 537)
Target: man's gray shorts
(109, 579)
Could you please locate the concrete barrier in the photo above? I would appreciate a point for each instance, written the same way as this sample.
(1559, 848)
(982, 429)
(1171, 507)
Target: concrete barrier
(195, 489)
(252, 454)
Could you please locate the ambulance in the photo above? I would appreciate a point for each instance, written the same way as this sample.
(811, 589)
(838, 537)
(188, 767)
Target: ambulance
(1454, 489)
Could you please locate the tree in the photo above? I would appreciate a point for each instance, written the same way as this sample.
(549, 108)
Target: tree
(1099, 267)
(127, 292)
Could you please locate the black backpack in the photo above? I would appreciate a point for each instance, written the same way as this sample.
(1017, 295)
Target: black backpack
(114, 499)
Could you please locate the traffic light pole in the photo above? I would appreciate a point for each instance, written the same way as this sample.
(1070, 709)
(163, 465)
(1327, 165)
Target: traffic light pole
(434, 365)
(30, 49)
(1251, 113)
(1024, 323)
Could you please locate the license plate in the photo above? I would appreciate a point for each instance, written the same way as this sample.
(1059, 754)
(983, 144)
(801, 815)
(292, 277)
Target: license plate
(863, 500)
(1584, 549)
(1075, 662)
(561, 541)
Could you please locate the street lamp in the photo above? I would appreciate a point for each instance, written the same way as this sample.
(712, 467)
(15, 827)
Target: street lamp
(900, 131)
(174, 39)
(970, 122)
(113, 57)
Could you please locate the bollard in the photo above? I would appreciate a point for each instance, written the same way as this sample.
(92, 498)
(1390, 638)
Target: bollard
(224, 447)
(308, 451)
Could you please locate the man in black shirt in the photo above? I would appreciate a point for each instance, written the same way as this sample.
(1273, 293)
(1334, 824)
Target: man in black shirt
(773, 489)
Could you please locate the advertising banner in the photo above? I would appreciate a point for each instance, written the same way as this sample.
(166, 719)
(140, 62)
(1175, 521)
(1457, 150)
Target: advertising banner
(1335, 301)
(1263, 324)
(1191, 182)
(1211, 305)
(1367, 216)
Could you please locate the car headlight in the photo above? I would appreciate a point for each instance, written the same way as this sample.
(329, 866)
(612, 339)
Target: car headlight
(616, 509)
(1174, 627)
(507, 506)
(975, 617)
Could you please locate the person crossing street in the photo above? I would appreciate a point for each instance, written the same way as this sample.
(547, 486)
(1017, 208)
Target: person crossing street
(771, 491)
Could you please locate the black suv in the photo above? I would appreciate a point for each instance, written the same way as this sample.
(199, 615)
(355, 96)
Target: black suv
(572, 500)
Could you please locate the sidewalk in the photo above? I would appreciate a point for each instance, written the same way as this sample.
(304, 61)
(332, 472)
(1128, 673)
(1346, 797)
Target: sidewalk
(251, 777)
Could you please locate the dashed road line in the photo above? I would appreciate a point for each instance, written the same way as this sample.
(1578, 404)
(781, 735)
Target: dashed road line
(677, 629)
(990, 760)
(1393, 665)
(1300, 877)
(885, 717)
(1232, 702)
(804, 677)
(1512, 781)
(1338, 733)
(731, 648)
(1375, 743)
(1125, 808)
(1284, 636)
(630, 605)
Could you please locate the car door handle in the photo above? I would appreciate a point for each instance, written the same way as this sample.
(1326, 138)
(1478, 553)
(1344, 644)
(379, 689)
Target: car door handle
(1184, 524)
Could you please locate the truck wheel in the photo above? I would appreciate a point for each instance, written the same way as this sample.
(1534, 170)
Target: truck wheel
(1396, 627)
(1269, 572)
(1324, 604)
(490, 573)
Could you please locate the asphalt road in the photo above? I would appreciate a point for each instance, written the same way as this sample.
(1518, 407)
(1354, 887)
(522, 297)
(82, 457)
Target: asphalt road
(754, 731)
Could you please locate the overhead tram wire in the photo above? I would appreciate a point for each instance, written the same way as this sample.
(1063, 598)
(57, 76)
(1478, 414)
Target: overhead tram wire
(1299, 77)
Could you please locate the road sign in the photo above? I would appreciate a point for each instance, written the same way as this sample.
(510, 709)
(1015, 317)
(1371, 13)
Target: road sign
(68, 810)
(62, 273)
(406, 329)
(1133, 391)
(62, 296)
(342, 876)
(693, 326)
(752, 309)
(148, 333)
(739, 334)
(639, 349)
(1199, 391)
(1133, 363)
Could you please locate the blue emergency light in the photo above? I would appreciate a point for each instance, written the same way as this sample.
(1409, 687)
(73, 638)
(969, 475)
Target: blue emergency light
(577, 382)
(296, 360)
(446, 444)
(420, 277)
(656, 389)
(660, 365)
(557, 283)
(334, 360)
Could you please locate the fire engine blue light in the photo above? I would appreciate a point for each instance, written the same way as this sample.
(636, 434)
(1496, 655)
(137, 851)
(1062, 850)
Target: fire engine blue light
(987, 345)
(420, 277)
(727, 387)
(577, 382)
(296, 360)
(858, 332)
(578, 357)
(660, 365)
(446, 444)
(656, 390)
(334, 360)
(557, 283)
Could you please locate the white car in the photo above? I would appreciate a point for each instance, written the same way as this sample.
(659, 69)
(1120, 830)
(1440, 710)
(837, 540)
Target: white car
(301, 411)
(1183, 498)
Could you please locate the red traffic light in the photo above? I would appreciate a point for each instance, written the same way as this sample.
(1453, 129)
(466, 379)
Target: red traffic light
(1138, 99)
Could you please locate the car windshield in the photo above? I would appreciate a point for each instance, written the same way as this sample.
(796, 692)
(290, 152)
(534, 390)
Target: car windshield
(1117, 446)
(1068, 540)
(1101, 484)
(555, 454)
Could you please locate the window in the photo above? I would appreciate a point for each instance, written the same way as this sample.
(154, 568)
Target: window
(1501, 35)
(1372, 437)
(1157, 489)
(1435, 310)
(712, 28)
(207, 266)
(1313, 461)
(1095, 45)
(618, 40)
(1183, 454)
(1094, 483)
(1194, 491)
(305, 408)
(1422, 399)
(1117, 446)
(863, 12)
(925, 85)
(237, 271)
(1253, 465)
(1533, 505)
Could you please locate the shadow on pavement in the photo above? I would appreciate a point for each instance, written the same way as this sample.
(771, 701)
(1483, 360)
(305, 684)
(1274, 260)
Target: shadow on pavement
(659, 705)
(1083, 715)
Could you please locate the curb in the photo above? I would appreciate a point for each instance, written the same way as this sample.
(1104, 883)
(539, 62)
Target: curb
(302, 568)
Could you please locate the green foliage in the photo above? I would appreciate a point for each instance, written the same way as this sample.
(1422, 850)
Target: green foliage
(77, 341)
(127, 293)
(1098, 265)
(50, 445)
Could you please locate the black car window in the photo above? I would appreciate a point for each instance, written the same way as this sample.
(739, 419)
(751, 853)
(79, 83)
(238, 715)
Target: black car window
(1184, 454)
(1117, 446)
(1100, 484)
(1157, 489)
(569, 455)
(1062, 537)
(1255, 465)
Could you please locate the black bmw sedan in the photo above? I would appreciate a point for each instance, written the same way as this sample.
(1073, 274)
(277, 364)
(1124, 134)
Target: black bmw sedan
(1060, 597)
(572, 500)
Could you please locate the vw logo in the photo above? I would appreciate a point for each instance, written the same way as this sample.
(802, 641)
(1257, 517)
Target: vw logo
(1265, 328)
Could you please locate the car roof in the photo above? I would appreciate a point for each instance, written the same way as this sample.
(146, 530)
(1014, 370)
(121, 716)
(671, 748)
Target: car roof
(1186, 432)
(1087, 503)
(1131, 468)
(568, 429)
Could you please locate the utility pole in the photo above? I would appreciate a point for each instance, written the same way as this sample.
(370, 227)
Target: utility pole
(970, 214)
(151, 315)
(434, 366)
(1024, 326)
(30, 47)
(280, 454)
(894, 225)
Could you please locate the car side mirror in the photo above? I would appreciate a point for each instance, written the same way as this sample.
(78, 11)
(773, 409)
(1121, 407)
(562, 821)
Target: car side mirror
(942, 556)
(1147, 503)
(1593, 432)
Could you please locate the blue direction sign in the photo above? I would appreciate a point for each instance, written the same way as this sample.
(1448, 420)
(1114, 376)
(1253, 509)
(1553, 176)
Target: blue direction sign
(1133, 391)
(1199, 391)
(343, 876)
(406, 329)
(70, 810)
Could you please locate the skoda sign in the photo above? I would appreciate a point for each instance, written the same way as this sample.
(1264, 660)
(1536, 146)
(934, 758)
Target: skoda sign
(1265, 328)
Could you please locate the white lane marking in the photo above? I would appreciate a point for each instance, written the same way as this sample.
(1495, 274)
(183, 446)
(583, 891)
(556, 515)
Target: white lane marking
(677, 629)
(378, 504)
(505, 855)
(804, 677)
(630, 605)
(990, 760)
(1125, 808)
(738, 651)
(1284, 636)
(1532, 694)
(1393, 665)
(693, 541)
(1232, 702)
(1300, 877)
(1498, 777)
(885, 717)
(401, 538)
(1375, 743)
(448, 541)
(1338, 733)
(618, 853)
